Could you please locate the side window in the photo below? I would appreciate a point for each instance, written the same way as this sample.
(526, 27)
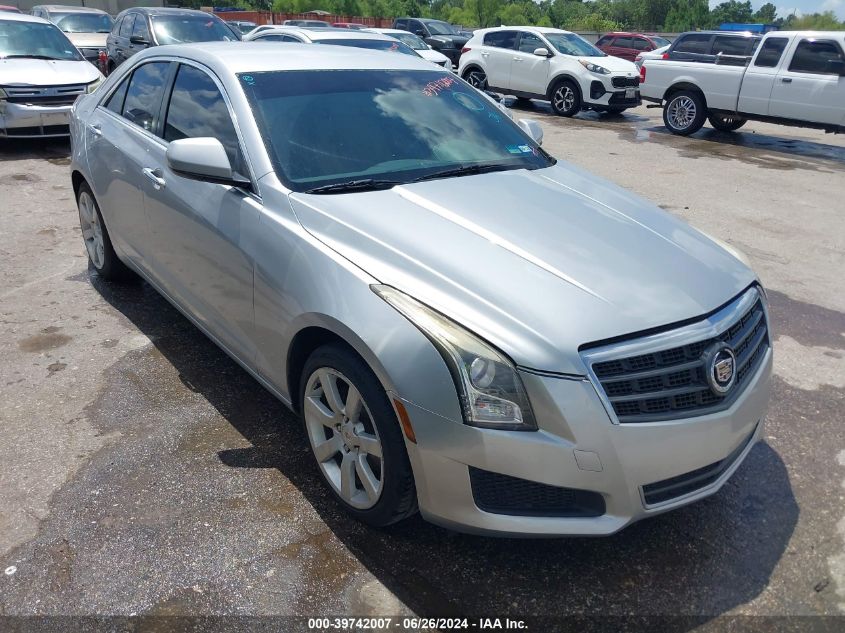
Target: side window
(604, 41)
(197, 109)
(115, 101)
(528, 42)
(501, 39)
(402, 24)
(622, 42)
(815, 57)
(693, 44)
(642, 44)
(140, 29)
(728, 45)
(143, 96)
(770, 52)
(126, 25)
(115, 29)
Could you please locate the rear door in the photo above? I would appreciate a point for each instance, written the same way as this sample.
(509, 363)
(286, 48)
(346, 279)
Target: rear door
(498, 53)
(759, 80)
(202, 232)
(529, 72)
(808, 86)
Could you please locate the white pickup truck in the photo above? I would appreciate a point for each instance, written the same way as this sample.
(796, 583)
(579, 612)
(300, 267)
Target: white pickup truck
(793, 78)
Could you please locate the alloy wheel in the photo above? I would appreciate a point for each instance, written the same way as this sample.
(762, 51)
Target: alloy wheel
(92, 232)
(682, 112)
(564, 98)
(344, 438)
(477, 79)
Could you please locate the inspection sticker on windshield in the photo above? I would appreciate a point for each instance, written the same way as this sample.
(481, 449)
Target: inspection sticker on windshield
(519, 149)
(437, 86)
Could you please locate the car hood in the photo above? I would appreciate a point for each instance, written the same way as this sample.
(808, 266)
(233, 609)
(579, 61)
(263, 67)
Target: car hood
(44, 72)
(535, 262)
(433, 56)
(457, 41)
(88, 40)
(613, 64)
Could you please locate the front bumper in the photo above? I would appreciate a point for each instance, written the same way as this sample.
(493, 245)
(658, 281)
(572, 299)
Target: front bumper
(22, 120)
(602, 94)
(579, 448)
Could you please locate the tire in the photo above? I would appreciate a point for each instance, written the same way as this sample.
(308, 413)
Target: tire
(566, 98)
(726, 123)
(96, 238)
(475, 77)
(341, 446)
(684, 113)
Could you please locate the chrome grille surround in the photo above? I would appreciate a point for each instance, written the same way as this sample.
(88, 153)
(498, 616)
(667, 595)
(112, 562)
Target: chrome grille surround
(661, 377)
(44, 95)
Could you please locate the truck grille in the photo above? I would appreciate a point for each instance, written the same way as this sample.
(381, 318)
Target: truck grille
(625, 82)
(44, 95)
(672, 383)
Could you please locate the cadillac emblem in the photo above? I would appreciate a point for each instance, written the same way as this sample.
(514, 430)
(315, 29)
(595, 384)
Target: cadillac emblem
(720, 367)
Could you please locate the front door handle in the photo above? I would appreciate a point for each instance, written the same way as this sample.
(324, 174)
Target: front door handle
(96, 130)
(786, 80)
(155, 176)
(517, 59)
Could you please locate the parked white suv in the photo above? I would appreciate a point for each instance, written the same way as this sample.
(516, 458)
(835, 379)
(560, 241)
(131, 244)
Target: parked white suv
(551, 64)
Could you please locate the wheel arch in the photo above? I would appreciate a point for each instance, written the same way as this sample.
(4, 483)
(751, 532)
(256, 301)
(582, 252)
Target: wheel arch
(680, 86)
(76, 179)
(563, 75)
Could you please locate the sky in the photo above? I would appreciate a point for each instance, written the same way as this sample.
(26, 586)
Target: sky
(800, 7)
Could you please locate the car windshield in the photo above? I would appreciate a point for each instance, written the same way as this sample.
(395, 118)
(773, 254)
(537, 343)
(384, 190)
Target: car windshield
(83, 22)
(36, 40)
(411, 40)
(179, 29)
(441, 28)
(571, 44)
(244, 27)
(324, 127)
(659, 42)
(394, 46)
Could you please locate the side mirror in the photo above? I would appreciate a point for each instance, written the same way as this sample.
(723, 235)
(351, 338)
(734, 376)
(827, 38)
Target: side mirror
(137, 39)
(202, 159)
(419, 32)
(542, 52)
(532, 129)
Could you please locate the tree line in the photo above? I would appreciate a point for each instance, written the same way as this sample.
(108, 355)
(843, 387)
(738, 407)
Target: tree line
(579, 15)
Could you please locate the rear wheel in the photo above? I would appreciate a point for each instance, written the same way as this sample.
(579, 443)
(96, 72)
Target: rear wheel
(566, 98)
(684, 113)
(355, 437)
(726, 123)
(476, 78)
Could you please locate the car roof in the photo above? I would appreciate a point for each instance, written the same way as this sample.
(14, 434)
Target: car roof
(165, 11)
(328, 33)
(813, 34)
(238, 57)
(536, 29)
(66, 8)
(715, 32)
(22, 17)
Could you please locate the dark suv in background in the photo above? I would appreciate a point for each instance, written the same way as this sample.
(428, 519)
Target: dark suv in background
(441, 36)
(705, 46)
(142, 27)
(629, 45)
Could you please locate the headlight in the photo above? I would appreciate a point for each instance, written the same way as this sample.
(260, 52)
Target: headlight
(489, 388)
(93, 85)
(594, 68)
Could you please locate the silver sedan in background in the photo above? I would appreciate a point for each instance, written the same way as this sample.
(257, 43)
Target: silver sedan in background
(466, 325)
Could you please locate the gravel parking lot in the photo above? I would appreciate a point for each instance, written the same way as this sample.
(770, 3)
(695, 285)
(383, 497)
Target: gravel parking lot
(143, 472)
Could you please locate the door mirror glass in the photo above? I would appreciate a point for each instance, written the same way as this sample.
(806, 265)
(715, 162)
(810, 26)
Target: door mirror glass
(202, 158)
(541, 52)
(532, 129)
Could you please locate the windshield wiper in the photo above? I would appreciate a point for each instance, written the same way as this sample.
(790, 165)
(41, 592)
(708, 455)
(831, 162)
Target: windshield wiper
(365, 184)
(58, 59)
(468, 170)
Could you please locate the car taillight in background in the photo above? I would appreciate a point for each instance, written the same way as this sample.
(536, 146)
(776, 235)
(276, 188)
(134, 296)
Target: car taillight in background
(102, 60)
(664, 56)
(465, 49)
(642, 74)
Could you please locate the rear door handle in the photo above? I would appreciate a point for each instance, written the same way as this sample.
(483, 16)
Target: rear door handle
(786, 80)
(155, 176)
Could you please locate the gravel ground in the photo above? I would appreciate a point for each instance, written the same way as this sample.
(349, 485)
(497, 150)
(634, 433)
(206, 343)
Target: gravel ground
(143, 472)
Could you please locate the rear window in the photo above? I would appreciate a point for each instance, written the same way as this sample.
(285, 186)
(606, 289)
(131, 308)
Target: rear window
(770, 52)
(728, 45)
(501, 39)
(693, 44)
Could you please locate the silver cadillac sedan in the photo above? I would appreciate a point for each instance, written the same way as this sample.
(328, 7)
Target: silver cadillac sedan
(465, 325)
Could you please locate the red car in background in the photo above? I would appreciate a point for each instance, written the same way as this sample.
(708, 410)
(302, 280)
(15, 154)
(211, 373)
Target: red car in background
(9, 9)
(629, 45)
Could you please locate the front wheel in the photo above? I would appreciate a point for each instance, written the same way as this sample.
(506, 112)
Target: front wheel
(476, 78)
(355, 437)
(566, 98)
(684, 113)
(98, 243)
(726, 123)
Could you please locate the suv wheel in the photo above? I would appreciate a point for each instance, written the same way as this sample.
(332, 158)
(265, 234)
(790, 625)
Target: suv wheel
(566, 98)
(684, 113)
(476, 78)
(726, 123)
(355, 437)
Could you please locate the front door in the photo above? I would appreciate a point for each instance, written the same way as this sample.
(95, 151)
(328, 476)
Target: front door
(529, 72)
(810, 88)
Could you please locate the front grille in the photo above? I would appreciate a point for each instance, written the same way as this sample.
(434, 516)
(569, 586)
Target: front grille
(672, 383)
(625, 82)
(674, 487)
(503, 494)
(44, 96)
